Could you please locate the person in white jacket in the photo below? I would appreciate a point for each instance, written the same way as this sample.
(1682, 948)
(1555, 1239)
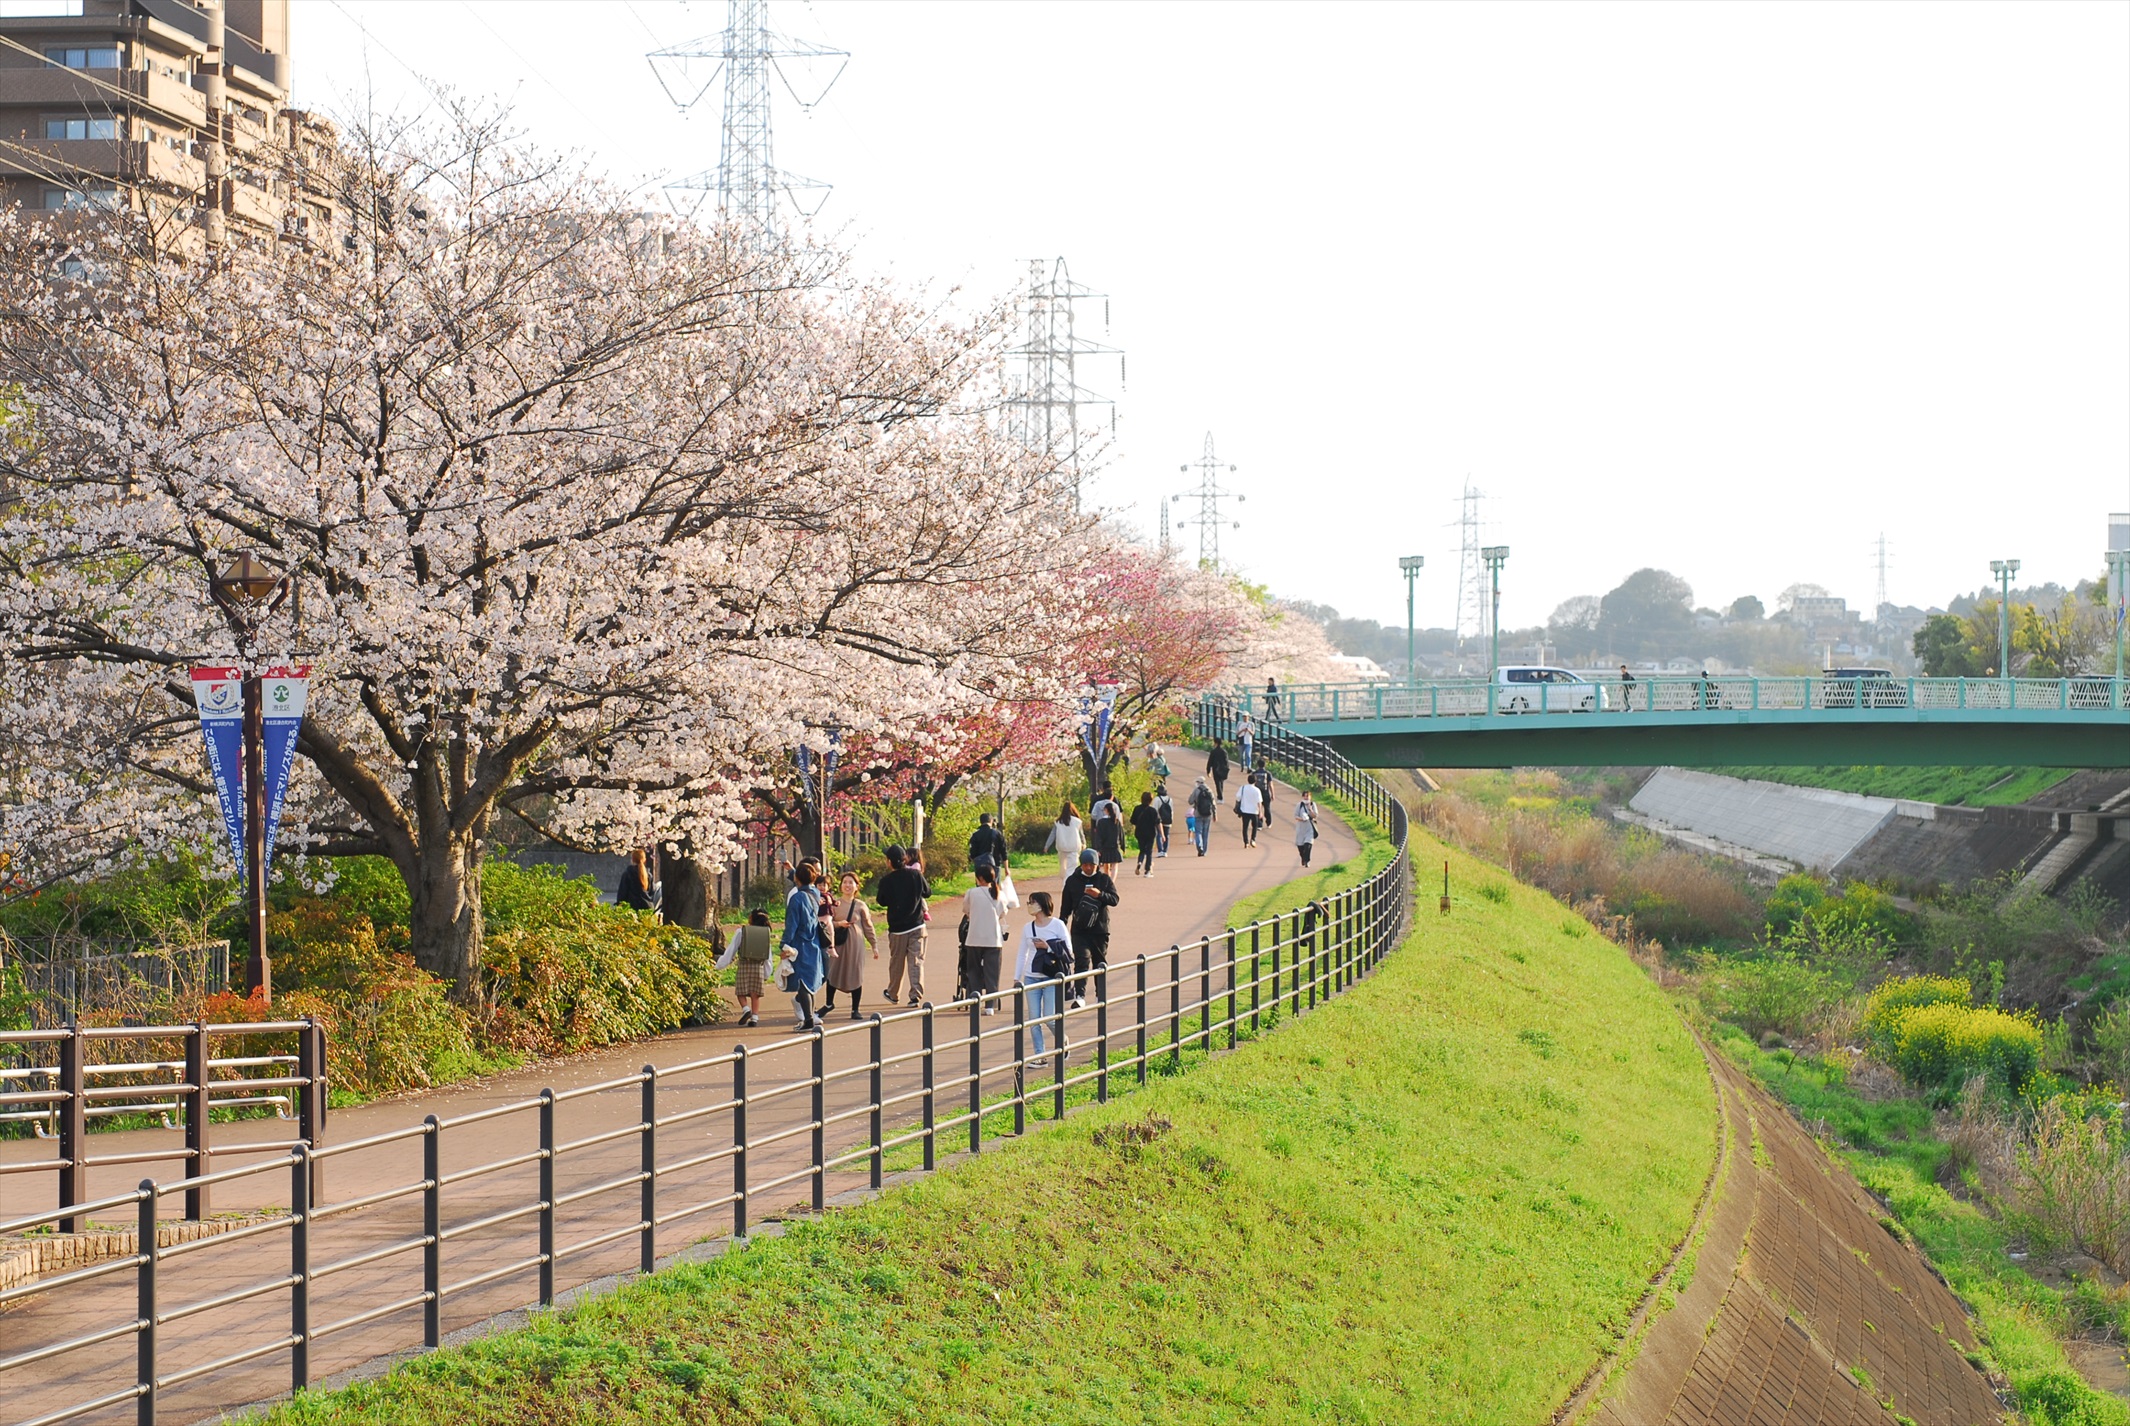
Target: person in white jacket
(1045, 955)
(1066, 838)
(983, 937)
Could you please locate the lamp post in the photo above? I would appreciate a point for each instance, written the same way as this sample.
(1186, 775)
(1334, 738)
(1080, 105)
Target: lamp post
(1411, 565)
(1495, 556)
(247, 591)
(2004, 570)
(2118, 583)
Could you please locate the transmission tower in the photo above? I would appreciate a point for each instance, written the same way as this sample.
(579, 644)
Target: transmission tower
(746, 180)
(1164, 531)
(1209, 495)
(1882, 559)
(1044, 398)
(1472, 610)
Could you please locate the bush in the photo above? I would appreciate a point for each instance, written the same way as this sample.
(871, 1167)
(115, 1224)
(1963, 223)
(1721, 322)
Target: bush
(1796, 897)
(2073, 1184)
(608, 975)
(1778, 992)
(1935, 1046)
(943, 861)
(1894, 998)
(1029, 831)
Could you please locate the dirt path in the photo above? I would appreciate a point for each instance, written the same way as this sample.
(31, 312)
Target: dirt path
(487, 1260)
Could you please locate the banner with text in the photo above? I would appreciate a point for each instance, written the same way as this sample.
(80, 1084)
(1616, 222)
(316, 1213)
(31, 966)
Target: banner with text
(219, 692)
(282, 688)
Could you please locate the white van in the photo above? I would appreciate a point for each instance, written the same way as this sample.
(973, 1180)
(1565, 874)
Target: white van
(1531, 688)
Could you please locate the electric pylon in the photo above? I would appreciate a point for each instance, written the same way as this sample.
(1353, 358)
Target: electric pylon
(1043, 401)
(1209, 494)
(1471, 569)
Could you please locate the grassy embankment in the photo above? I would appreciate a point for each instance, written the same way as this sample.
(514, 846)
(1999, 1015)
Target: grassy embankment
(1947, 786)
(1436, 1200)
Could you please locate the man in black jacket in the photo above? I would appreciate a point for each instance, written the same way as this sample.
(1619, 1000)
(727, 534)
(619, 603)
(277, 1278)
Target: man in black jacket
(903, 894)
(1217, 769)
(1086, 899)
(987, 844)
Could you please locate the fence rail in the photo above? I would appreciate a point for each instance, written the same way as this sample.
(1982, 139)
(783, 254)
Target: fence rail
(714, 1143)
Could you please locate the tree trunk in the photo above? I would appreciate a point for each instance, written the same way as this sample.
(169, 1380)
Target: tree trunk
(444, 920)
(687, 894)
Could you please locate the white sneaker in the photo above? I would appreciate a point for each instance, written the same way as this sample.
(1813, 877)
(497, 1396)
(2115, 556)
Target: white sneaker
(991, 1010)
(1079, 1003)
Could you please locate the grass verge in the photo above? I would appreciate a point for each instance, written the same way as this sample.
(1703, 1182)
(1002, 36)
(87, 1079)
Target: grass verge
(1436, 1200)
(1961, 786)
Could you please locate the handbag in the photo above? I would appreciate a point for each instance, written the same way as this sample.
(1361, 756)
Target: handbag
(1051, 959)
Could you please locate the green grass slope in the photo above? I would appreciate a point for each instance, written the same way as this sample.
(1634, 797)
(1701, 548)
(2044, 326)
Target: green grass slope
(1437, 1199)
(1949, 786)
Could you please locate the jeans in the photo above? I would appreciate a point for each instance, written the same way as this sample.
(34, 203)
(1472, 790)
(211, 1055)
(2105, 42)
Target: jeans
(1200, 828)
(1042, 1006)
(1146, 853)
(1161, 843)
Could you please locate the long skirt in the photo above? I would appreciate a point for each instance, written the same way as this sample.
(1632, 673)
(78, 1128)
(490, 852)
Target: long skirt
(846, 965)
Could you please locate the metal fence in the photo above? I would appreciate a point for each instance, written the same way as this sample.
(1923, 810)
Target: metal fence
(71, 983)
(685, 1150)
(1717, 693)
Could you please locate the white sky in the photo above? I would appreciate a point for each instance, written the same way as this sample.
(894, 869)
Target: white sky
(1724, 288)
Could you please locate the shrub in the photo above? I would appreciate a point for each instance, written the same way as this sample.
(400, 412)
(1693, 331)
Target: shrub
(943, 860)
(1943, 1044)
(1894, 998)
(2109, 1036)
(1863, 915)
(2073, 1183)
(1028, 831)
(1778, 992)
(766, 890)
(1795, 898)
(607, 974)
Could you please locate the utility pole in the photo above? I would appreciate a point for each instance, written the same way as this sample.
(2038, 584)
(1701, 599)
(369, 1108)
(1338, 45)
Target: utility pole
(2004, 570)
(1043, 403)
(747, 181)
(1209, 494)
(1495, 557)
(1471, 575)
(1411, 565)
(2118, 588)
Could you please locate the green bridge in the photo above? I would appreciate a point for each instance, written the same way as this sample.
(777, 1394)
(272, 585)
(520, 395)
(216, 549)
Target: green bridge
(1706, 722)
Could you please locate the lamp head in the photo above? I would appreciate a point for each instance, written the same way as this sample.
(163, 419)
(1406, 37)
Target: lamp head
(1409, 563)
(248, 579)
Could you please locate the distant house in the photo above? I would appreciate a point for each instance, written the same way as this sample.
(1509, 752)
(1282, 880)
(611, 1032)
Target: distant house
(1361, 669)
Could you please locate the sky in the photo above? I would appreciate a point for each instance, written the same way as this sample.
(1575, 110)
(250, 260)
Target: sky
(1728, 289)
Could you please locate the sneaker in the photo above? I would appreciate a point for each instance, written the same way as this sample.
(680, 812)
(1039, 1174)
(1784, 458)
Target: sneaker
(1079, 1002)
(855, 1015)
(991, 1010)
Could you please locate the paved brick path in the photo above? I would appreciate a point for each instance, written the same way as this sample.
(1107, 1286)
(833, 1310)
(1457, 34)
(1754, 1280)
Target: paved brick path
(1186, 899)
(1796, 1289)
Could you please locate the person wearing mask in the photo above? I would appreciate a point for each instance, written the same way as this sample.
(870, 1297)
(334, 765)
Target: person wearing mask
(1146, 833)
(851, 938)
(1109, 831)
(1066, 839)
(1166, 811)
(1157, 763)
(802, 966)
(1087, 897)
(903, 894)
(636, 888)
(753, 949)
(983, 937)
(1305, 829)
(1045, 959)
(1217, 769)
(1250, 804)
(987, 843)
(1202, 805)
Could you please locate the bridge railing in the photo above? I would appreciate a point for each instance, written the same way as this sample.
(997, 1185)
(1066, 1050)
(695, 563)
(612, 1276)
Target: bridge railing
(1717, 693)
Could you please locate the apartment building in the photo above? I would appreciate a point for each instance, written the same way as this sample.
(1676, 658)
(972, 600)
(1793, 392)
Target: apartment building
(174, 107)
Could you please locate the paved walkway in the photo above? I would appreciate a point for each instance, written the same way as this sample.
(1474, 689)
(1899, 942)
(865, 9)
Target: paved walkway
(489, 1231)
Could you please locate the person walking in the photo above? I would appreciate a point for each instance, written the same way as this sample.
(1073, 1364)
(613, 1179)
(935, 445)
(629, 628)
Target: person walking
(1217, 769)
(1045, 959)
(903, 894)
(1156, 763)
(1202, 805)
(1166, 811)
(1263, 778)
(754, 947)
(853, 923)
(1066, 839)
(801, 968)
(1146, 833)
(987, 843)
(1250, 803)
(1306, 830)
(636, 890)
(1271, 700)
(1087, 897)
(1245, 744)
(1109, 831)
(1626, 689)
(983, 937)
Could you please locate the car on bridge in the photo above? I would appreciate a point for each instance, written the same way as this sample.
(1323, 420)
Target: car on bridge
(1534, 688)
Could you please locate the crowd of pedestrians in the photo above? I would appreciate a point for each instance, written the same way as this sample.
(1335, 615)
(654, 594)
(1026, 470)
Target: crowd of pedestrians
(1062, 949)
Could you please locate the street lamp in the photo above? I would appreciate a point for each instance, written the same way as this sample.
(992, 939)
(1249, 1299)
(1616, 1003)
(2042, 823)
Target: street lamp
(1411, 565)
(1495, 556)
(2004, 570)
(247, 591)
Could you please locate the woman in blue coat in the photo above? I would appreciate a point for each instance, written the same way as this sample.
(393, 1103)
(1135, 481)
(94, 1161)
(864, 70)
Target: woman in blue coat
(804, 964)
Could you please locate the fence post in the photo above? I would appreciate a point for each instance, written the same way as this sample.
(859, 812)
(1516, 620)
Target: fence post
(820, 1110)
(930, 1135)
(1257, 982)
(1205, 994)
(197, 1112)
(647, 1254)
(1141, 1049)
(1020, 1058)
(144, 1304)
(739, 1142)
(877, 1155)
(547, 1198)
(312, 1069)
(1176, 1007)
(1058, 1052)
(73, 1124)
(299, 1268)
(976, 1073)
(1231, 989)
(1102, 1050)
(432, 1232)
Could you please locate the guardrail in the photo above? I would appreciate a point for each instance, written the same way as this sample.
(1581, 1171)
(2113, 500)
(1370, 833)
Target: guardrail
(58, 1098)
(1718, 693)
(706, 1143)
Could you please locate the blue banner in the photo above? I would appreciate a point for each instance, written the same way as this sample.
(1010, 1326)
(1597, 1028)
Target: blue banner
(1095, 715)
(282, 690)
(219, 693)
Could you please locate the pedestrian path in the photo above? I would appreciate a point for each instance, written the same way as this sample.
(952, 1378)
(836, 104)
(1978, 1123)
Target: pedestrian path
(491, 1168)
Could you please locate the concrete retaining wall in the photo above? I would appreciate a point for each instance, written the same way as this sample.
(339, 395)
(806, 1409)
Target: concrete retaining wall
(1810, 826)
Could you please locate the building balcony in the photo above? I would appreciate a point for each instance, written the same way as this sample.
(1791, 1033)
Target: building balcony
(50, 87)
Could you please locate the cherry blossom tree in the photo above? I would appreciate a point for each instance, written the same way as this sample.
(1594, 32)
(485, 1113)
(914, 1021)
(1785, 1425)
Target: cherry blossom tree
(590, 517)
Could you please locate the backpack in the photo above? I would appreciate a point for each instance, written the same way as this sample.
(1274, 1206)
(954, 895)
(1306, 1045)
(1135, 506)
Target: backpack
(755, 945)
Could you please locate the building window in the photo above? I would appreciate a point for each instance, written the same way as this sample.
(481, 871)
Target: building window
(81, 128)
(95, 195)
(90, 57)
